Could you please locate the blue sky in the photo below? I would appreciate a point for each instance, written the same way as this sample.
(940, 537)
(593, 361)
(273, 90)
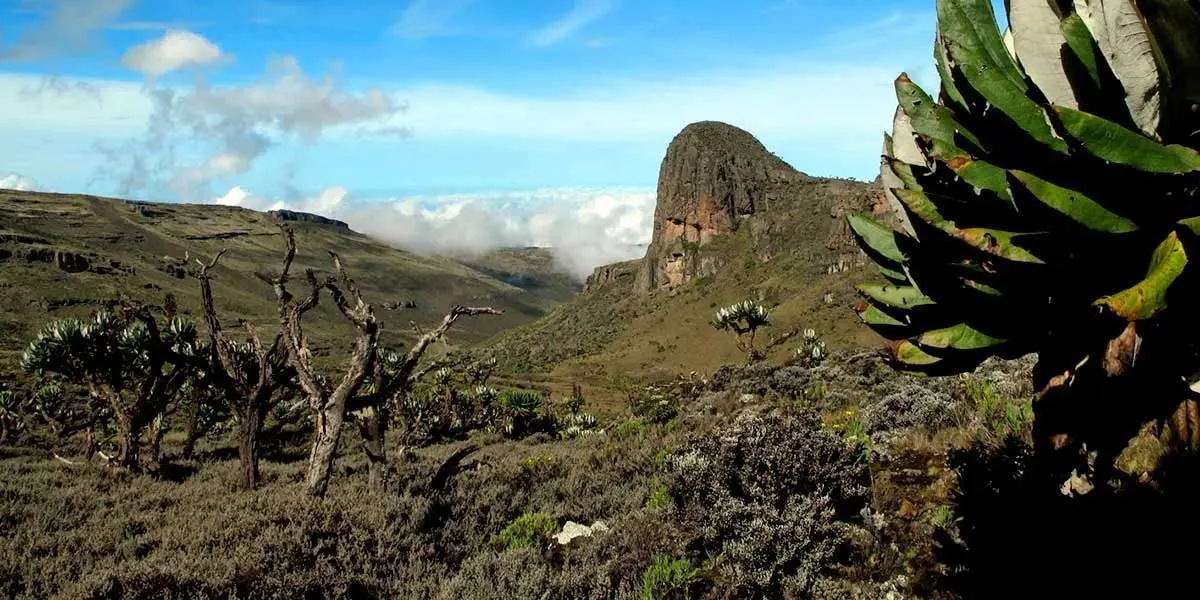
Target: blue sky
(424, 100)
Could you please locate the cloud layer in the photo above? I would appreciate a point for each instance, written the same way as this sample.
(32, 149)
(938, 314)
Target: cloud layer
(204, 134)
(584, 228)
(12, 181)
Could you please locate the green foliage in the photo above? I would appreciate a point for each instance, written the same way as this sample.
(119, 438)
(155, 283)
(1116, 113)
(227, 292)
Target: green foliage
(661, 457)
(530, 530)
(629, 429)
(659, 499)
(1001, 415)
(10, 415)
(1040, 220)
(668, 578)
(652, 406)
(538, 463)
(523, 413)
(815, 393)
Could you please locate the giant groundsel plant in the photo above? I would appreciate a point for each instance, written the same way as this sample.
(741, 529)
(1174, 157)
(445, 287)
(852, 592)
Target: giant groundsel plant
(1045, 201)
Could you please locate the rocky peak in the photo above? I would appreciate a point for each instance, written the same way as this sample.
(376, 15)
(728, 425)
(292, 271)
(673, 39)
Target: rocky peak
(713, 176)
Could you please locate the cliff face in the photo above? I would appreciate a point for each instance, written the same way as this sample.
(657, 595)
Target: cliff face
(716, 180)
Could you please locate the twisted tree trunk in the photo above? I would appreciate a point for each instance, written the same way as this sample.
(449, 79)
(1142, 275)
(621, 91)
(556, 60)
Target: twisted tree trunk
(129, 434)
(324, 450)
(373, 429)
(192, 431)
(249, 433)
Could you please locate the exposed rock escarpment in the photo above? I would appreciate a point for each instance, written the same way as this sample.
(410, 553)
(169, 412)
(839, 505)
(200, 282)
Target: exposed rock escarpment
(303, 217)
(608, 274)
(713, 176)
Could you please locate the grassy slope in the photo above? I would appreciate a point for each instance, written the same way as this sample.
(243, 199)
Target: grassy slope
(609, 339)
(110, 230)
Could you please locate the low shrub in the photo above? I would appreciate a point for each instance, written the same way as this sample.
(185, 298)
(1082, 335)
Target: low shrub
(669, 578)
(628, 429)
(530, 530)
(774, 498)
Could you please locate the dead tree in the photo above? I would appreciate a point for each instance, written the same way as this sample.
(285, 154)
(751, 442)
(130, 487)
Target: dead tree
(327, 401)
(390, 382)
(247, 374)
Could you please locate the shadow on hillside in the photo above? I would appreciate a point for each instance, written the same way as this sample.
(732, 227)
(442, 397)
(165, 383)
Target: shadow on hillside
(1021, 537)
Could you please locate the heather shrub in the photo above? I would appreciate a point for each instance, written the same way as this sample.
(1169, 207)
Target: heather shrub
(912, 405)
(669, 578)
(772, 498)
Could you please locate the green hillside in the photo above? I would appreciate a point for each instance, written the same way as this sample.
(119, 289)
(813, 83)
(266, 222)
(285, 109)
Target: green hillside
(66, 255)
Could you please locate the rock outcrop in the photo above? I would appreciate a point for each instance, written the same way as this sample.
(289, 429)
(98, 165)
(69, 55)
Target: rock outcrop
(713, 176)
(303, 217)
(610, 274)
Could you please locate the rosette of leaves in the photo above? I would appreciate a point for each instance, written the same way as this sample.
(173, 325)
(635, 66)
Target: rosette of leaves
(812, 350)
(743, 319)
(10, 415)
(522, 412)
(578, 424)
(1045, 201)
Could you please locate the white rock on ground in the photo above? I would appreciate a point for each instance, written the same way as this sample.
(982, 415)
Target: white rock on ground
(573, 530)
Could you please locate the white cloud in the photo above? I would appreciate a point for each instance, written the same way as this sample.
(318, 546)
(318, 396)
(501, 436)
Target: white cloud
(427, 18)
(68, 29)
(583, 227)
(176, 49)
(194, 137)
(582, 14)
(16, 182)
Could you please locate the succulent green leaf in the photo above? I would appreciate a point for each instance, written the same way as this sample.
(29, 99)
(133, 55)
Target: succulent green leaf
(875, 317)
(974, 43)
(981, 287)
(927, 117)
(1192, 224)
(971, 24)
(1112, 142)
(1075, 205)
(1125, 43)
(1038, 41)
(958, 337)
(1149, 296)
(992, 241)
(894, 275)
(895, 296)
(909, 354)
(945, 70)
(877, 237)
(1079, 40)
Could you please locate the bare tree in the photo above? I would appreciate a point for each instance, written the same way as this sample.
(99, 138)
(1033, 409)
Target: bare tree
(392, 379)
(327, 401)
(247, 373)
